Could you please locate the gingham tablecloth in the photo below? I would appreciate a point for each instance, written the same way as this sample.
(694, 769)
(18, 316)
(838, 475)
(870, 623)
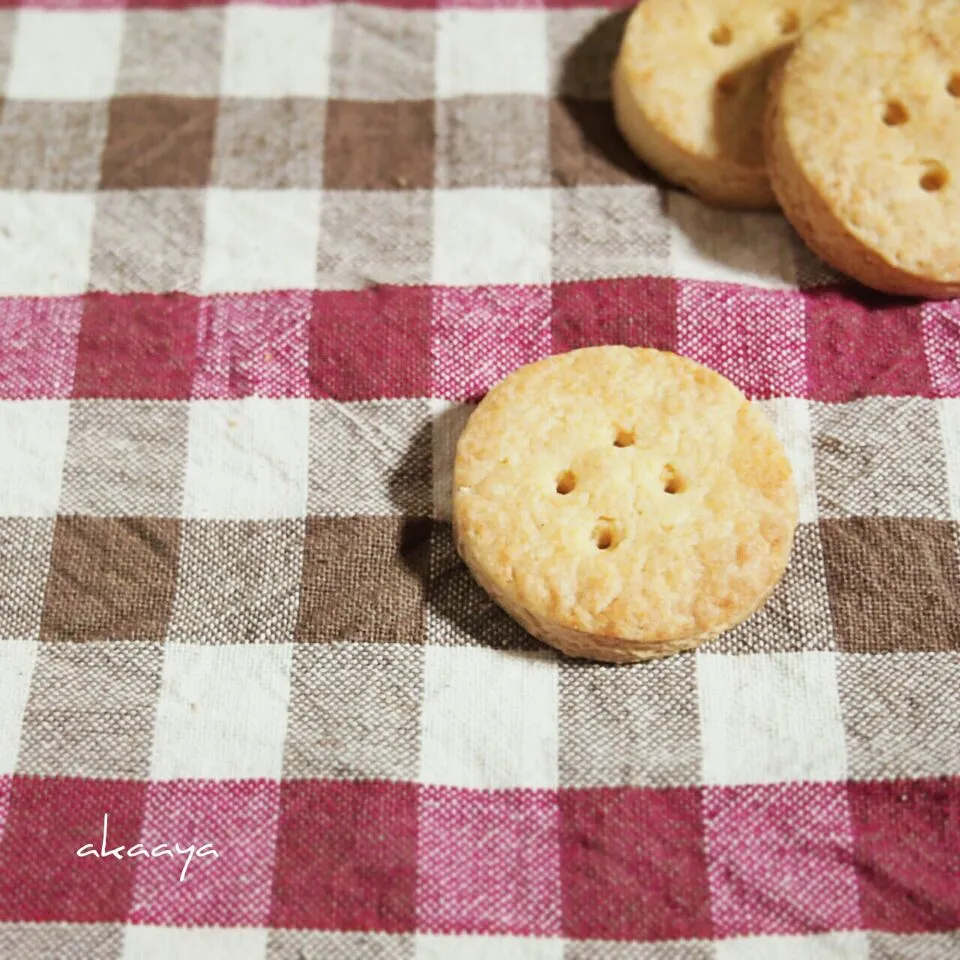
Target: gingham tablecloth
(256, 265)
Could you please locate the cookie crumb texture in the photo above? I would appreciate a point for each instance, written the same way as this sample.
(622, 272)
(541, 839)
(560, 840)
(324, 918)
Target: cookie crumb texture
(689, 90)
(863, 143)
(623, 503)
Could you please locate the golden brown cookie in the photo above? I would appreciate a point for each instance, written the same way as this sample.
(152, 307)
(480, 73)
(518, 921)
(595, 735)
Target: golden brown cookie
(689, 90)
(863, 143)
(622, 503)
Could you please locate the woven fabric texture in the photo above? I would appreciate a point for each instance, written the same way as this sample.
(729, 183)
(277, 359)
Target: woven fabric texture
(257, 263)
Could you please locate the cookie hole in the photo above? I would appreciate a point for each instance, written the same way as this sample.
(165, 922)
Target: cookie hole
(603, 536)
(895, 114)
(727, 85)
(788, 22)
(624, 438)
(672, 481)
(721, 35)
(953, 85)
(566, 482)
(934, 178)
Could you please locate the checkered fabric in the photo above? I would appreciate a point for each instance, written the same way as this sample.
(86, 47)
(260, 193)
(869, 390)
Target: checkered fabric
(256, 264)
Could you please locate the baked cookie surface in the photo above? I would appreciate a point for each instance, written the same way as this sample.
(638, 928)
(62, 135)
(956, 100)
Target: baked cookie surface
(622, 503)
(863, 143)
(689, 90)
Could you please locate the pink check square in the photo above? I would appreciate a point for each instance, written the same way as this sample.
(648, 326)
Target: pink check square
(941, 344)
(346, 856)
(864, 346)
(54, 818)
(480, 334)
(253, 345)
(137, 346)
(489, 862)
(5, 782)
(39, 355)
(753, 336)
(908, 849)
(780, 859)
(238, 820)
(634, 865)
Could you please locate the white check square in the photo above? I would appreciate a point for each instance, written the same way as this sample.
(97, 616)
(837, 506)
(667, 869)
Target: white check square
(222, 712)
(357, 452)
(272, 51)
(729, 246)
(144, 942)
(948, 411)
(17, 659)
(492, 51)
(260, 240)
(440, 947)
(490, 719)
(65, 55)
(491, 236)
(770, 718)
(247, 459)
(791, 419)
(45, 241)
(33, 444)
(449, 419)
(850, 945)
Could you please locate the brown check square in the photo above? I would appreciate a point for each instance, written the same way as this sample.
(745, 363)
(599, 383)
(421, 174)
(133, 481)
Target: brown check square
(797, 615)
(147, 240)
(582, 46)
(381, 54)
(91, 710)
(866, 456)
(629, 727)
(379, 146)
(901, 714)
(158, 141)
(460, 612)
(269, 144)
(238, 581)
(51, 146)
(24, 560)
(370, 458)
(609, 232)
(586, 148)
(371, 239)
(892, 583)
(125, 459)
(337, 945)
(500, 141)
(354, 712)
(171, 52)
(916, 946)
(70, 941)
(110, 579)
(363, 580)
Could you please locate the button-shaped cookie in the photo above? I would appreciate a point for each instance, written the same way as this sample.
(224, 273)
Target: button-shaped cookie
(863, 143)
(689, 90)
(622, 503)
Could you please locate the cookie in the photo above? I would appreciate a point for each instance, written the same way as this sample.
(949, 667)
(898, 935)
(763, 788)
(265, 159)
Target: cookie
(689, 90)
(863, 143)
(622, 503)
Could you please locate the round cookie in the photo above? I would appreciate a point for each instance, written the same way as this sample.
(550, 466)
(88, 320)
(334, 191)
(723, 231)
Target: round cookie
(863, 143)
(689, 90)
(622, 503)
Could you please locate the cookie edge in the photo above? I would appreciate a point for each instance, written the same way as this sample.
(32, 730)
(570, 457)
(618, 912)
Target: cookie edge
(810, 214)
(608, 647)
(715, 182)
